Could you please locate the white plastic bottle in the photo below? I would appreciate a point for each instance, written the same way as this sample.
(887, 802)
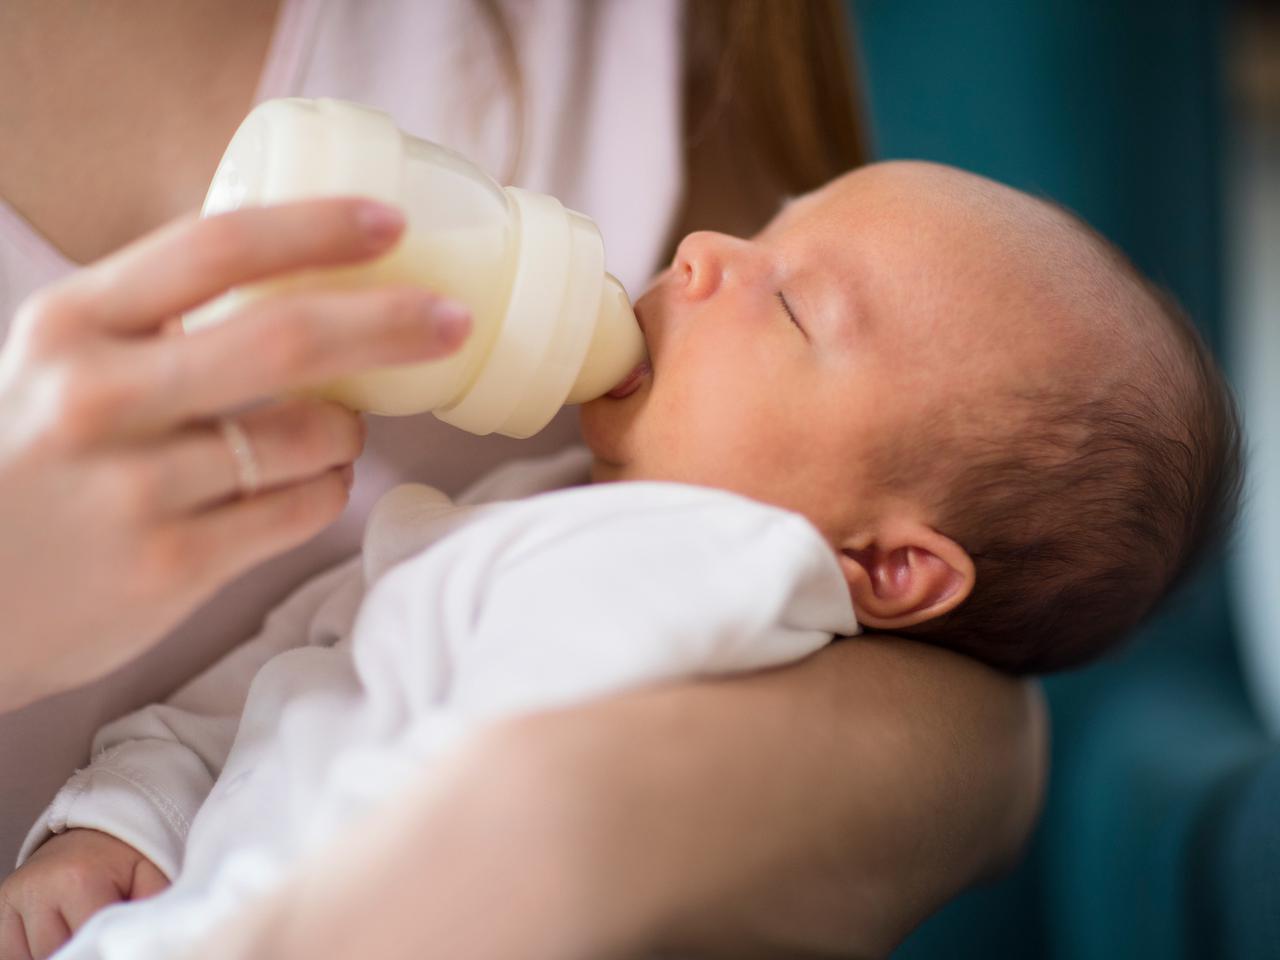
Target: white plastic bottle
(549, 326)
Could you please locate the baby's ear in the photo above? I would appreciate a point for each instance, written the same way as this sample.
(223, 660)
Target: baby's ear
(905, 575)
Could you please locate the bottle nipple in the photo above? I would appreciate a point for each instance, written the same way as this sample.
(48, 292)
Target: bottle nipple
(616, 345)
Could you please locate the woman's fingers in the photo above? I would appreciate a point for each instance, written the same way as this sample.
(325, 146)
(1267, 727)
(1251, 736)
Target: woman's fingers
(282, 343)
(211, 547)
(189, 261)
(290, 441)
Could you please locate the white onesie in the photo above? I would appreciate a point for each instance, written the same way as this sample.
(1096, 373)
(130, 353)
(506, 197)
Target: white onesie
(453, 615)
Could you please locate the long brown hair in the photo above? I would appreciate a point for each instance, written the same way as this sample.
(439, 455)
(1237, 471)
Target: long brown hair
(771, 106)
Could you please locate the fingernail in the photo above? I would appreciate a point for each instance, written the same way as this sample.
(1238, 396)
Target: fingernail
(348, 474)
(451, 321)
(379, 222)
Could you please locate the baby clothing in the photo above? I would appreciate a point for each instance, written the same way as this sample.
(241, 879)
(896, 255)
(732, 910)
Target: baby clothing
(453, 616)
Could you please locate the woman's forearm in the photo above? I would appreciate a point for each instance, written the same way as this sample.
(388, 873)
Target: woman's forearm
(820, 809)
(823, 809)
(836, 804)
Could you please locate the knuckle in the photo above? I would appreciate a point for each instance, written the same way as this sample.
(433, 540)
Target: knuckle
(337, 223)
(303, 436)
(407, 311)
(42, 305)
(217, 245)
(319, 502)
(80, 404)
(407, 305)
(45, 318)
(131, 489)
(343, 433)
(293, 347)
(311, 432)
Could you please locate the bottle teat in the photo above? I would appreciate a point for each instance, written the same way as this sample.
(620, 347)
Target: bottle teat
(616, 345)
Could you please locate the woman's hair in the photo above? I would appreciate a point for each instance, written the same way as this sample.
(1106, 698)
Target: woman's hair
(492, 11)
(770, 106)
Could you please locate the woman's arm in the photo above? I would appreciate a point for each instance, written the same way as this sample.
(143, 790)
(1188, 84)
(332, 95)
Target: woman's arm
(821, 809)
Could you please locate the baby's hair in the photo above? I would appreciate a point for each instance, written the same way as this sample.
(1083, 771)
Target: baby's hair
(1086, 507)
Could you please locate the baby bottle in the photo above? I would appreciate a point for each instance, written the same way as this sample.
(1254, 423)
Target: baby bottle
(549, 326)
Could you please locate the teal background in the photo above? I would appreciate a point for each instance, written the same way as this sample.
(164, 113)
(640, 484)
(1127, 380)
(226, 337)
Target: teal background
(1161, 834)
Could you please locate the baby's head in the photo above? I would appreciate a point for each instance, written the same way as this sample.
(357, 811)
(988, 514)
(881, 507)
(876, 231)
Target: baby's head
(1012, 442)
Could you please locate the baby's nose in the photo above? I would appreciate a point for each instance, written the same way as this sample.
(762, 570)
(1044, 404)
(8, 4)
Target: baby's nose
(700, 262)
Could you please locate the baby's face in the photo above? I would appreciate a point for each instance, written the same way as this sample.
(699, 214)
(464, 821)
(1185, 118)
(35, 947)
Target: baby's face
(783, 363)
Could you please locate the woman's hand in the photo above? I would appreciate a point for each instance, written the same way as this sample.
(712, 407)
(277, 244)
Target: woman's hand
(119, 505)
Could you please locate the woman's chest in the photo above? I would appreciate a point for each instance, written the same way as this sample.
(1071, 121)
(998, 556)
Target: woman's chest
(113, 124)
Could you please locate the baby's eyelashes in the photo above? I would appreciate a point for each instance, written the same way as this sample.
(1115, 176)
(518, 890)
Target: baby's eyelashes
(791, 313)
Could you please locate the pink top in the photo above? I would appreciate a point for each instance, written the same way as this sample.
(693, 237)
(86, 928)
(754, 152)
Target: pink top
(601, 95)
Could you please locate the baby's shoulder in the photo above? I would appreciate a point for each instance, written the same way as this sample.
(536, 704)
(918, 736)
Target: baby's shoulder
(613, 523)
(651, 510)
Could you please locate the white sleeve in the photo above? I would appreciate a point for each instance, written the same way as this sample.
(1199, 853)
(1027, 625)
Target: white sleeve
(558, 600)
(152, 769)
(637, 587)
(711, 587)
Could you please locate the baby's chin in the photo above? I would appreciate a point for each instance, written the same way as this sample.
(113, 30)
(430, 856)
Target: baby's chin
(611, 429)
(605, 425)
(602, 472)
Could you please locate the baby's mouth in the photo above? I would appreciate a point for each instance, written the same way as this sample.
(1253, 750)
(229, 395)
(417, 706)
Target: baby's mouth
(631, 382)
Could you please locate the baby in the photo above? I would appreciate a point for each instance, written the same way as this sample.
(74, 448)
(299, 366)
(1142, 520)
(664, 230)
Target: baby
(1013, 443)
(917, 402)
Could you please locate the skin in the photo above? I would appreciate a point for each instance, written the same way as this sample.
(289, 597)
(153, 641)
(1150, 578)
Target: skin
(66, 881)
(134, 104)
(785, 365)
(903, 739)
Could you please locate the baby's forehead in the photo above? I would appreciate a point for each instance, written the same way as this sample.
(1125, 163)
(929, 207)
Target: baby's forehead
(933, 220)
(947, 257)
(931, 193)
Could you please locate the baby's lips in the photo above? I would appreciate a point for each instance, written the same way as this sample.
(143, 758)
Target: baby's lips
(631, 382)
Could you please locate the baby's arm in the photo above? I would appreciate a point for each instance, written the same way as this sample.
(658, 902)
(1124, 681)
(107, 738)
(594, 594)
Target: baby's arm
(66, 881)
(580, 595)
(152, 769)
(686, 583)
(121, 822)
(624, 588)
